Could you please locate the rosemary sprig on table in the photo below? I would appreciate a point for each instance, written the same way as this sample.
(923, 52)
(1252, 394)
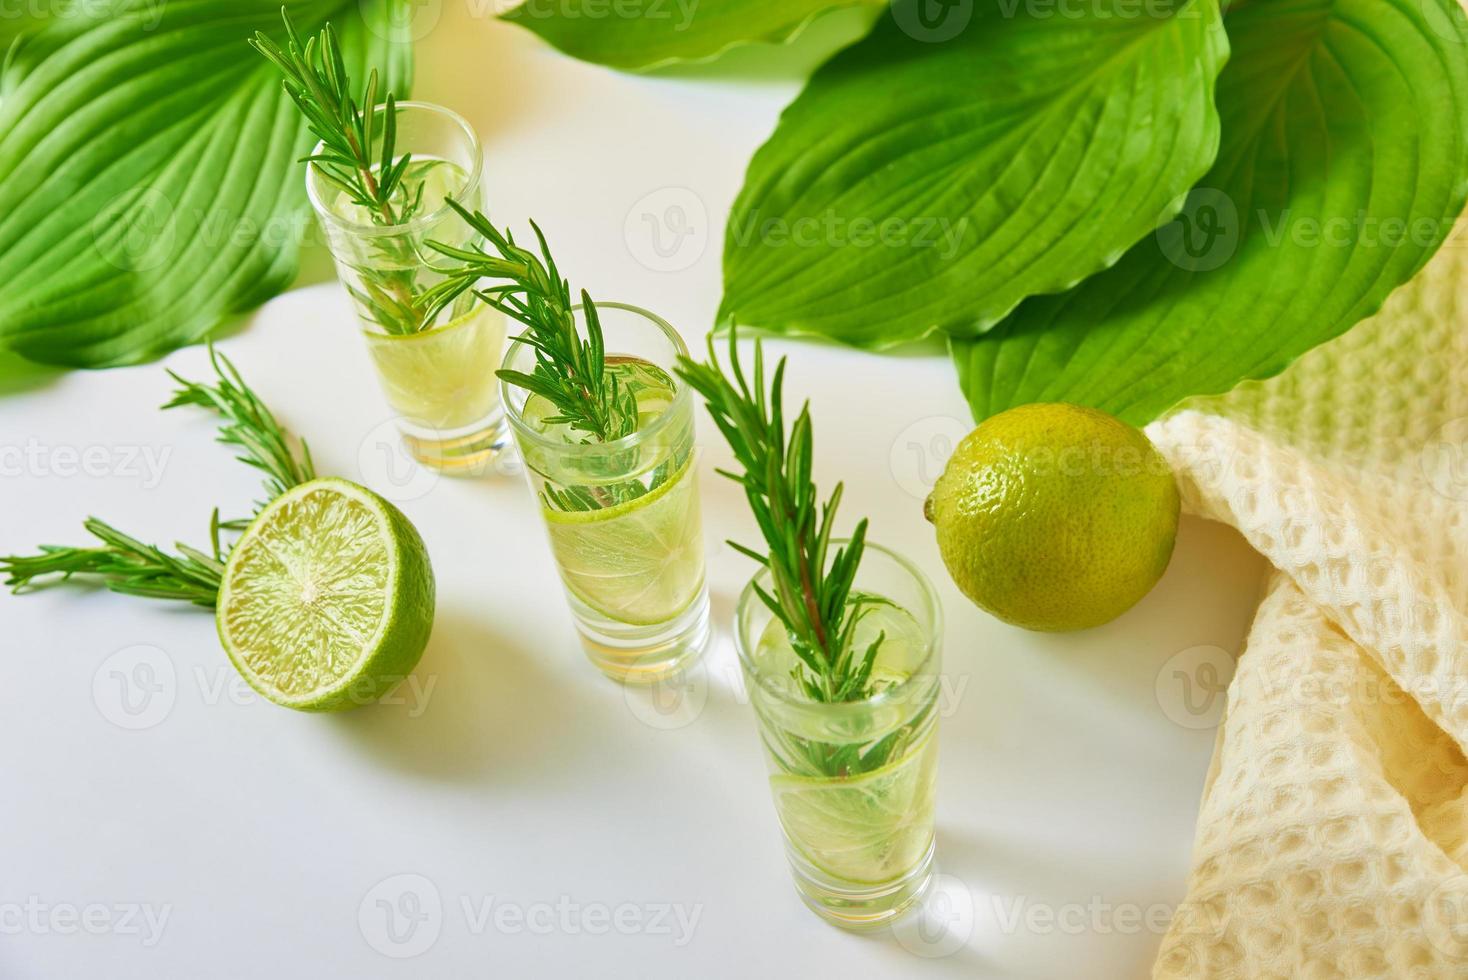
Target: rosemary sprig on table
(314, 74)
(570, 372)
(250, 426)
(127, 565)
(811, 589)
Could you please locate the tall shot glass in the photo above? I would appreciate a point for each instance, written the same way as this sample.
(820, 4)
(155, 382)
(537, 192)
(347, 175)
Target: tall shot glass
(438, 376)
(623, 516)
(854, 782)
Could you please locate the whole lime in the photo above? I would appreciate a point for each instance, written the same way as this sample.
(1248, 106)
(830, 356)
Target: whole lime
(1055, 517)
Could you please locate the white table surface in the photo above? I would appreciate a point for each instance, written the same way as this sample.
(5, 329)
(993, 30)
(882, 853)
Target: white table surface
(545, 821)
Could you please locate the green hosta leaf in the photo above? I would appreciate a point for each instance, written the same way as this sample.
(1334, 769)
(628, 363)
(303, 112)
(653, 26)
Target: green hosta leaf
(638, 34)
(920, 183)
(148, 178)
(1344, 162)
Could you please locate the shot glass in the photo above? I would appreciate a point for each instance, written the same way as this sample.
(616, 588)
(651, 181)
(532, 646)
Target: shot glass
(854, 782)
(436, 374)
(623, 516)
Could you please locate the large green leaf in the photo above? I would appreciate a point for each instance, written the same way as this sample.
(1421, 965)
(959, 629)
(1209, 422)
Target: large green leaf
(920, 183)
(639, 34)
(148, 178)
(1344, 162)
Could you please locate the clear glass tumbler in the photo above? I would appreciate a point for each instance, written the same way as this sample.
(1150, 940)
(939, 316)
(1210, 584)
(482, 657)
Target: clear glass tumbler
(623, 516)
(854, 782)
(437, 374)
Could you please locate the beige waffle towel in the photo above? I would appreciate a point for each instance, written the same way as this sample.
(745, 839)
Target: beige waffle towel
(1333, 834)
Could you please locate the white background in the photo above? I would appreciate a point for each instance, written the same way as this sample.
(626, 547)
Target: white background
(510, 774)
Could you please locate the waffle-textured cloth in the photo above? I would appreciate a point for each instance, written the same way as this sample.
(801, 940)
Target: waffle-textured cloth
(1333, 834)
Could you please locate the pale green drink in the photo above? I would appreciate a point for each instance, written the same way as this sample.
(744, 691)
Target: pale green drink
(854, 783)
(623, 517)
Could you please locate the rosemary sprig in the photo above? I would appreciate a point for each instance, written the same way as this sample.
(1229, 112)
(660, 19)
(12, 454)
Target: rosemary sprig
(249, 425)
(811, 589)
(126, 564)
(570, 372)
(315, 76)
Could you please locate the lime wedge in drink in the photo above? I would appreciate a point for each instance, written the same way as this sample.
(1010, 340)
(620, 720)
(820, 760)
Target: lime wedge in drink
(638, 562)
(327, 598)
(867, 829)
(443, 378)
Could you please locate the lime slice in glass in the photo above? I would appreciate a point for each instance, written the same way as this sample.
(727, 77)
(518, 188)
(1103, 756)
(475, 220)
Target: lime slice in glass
(327, 598)
(443, 378)
(639, 562)
(866, 830)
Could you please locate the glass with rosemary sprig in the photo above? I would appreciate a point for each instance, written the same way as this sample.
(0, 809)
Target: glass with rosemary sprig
(854, 781)
(616, 486)
(435, 362)
(838, 640)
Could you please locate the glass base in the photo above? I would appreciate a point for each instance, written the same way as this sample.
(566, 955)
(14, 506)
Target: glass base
(457, 452)
(855, 906)
(644, 654)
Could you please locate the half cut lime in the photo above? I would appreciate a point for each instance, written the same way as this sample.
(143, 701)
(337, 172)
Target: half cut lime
(327, 600)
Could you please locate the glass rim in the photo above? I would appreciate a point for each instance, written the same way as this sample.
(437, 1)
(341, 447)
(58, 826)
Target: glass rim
(897, 693)
(369, 230)
(515, 413)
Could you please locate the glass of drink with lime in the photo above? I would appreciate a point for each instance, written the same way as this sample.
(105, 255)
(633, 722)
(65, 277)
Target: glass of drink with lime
(623, 516)
(854, 782)
(435, 366)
